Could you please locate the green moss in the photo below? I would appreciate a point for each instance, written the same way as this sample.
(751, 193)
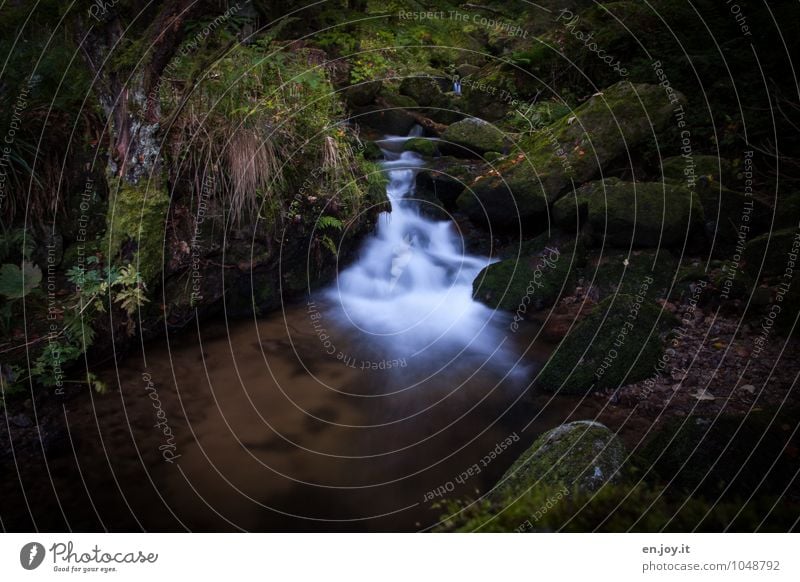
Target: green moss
(580, 455)
(422, 89)
(645, 214)
(621, 272)
(474, 135)
(422, 146)
(725, 457)
(570, 150)
(535, 280)
(137, 215)
(619, 508)
(372, 151)
(618, 343)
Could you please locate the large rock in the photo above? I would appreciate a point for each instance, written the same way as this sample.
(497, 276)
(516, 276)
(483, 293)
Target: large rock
(775, 249)
(389, 115)
(446, 177)
(614, 271)
(472, 137)
(422, 89)
(618, 343)
(422, 146)
(362, 94)
(570, 151)
(581, 455)
(529, 282)
(645, 214)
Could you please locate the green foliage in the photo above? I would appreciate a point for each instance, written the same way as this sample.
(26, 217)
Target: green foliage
(329, 222)
(137, 214)
(16, 241)
(16, 283)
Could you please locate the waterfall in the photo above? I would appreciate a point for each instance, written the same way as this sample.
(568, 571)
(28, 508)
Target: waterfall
(411, 288)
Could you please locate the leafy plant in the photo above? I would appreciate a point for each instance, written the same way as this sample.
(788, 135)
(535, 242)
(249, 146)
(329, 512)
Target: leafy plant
(16, 283)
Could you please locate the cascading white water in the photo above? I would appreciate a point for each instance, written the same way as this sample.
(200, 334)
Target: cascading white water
(411, 289)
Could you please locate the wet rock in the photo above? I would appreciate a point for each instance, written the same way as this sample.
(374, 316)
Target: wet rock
(610, 272)
(446, 177)
(372, 151)
(645, 214)
(774, 249)
(472, 137)
(422, 89)
(422, 146)
(389, 114)
(362, 94)
(526, 283)
(618, 343)
(581, 455)
(571, 150)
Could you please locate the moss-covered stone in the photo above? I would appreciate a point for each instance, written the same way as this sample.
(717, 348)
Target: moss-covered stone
(421, 146)
(422, 89)
(444, 108)
(645, 214)
(773, 248)
(446, 177)
(618, 343)
(534, 281)
(472, 137)
(135, 225)
(582, 455)
(614, 272)
(362, 94)
(389, 113)
(725, 457)
(571, 150)
(372, 151)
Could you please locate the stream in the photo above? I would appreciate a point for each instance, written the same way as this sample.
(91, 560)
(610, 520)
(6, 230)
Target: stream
(354, 410)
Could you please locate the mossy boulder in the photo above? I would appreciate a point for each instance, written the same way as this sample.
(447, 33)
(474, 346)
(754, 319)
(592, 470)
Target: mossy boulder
(472, 137)
(444, 108)
(372, 151)
(570, 151)
(422, 89)
(724, 457)
(421, 146)
(389, 114)
(362, 94)
(773, 248)
(530, 281)
(618, 343)
(582, 455)
(645, 214)
(612, 272)
(446, 177)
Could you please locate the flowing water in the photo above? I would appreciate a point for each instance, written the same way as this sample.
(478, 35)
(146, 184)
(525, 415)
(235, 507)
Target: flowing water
(343, 412)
